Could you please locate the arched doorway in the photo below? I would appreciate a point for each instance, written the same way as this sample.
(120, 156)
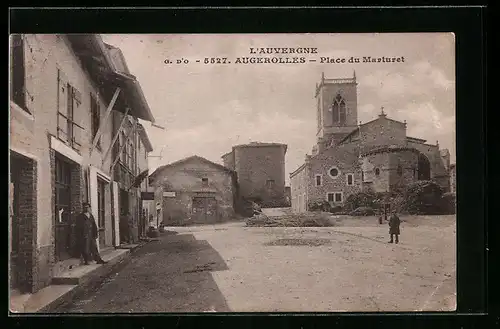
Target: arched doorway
(424, 168)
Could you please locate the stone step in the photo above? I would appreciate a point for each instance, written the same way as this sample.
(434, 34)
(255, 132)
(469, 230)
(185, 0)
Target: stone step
(130, 246)
(82, 273)
(32, 303)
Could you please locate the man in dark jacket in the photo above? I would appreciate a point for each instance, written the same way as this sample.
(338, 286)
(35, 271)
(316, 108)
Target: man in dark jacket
(394, 223)
(86, 230)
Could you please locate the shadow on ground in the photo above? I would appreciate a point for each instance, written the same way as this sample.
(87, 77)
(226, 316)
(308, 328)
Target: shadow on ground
(169, 275)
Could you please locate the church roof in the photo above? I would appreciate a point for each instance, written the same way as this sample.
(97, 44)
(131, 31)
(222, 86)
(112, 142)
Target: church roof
(371, 121)
(391, 148)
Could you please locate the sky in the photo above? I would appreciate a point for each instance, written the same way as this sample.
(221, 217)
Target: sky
(208, 108)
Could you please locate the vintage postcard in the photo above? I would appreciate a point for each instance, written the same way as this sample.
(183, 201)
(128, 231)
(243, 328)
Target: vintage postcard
(232, 173)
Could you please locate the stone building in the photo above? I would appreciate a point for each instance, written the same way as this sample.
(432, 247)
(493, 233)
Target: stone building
(349, 157)
(195, 190)
(260, 170)
(62, 91)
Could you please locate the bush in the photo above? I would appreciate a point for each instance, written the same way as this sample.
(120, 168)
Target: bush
(336, 209)
(368, 199)
(422, 198)
(448, 203)
(319, 205)
(363, 211)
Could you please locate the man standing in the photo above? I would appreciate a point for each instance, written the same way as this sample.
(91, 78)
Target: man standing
(87, 234)
(394, 223)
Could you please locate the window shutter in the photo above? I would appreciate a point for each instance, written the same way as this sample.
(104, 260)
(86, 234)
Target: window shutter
(62, 92)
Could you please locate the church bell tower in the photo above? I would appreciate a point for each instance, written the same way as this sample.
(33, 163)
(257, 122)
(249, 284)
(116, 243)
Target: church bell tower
(337, 109)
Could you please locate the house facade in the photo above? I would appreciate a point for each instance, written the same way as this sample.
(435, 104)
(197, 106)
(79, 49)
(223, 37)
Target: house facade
(194, 190)
(62, 91)
(350, 157)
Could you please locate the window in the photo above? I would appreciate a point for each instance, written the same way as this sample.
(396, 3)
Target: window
(334, 172)
(377, 171)
(18, 87)
(270, 183)
(335, 112)
(339, 111)
(130, 154)
(101, 203)
(204, 181)
(95, 110)
(342, 112)
(68, 101)
(318, 180)
(335, 197)
(123, 155)
(362, 176)
(350, 179)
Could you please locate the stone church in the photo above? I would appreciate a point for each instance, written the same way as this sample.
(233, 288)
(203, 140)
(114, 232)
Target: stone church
(350, 157)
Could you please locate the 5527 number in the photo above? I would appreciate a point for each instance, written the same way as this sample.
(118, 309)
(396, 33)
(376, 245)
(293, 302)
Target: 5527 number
(215, 60)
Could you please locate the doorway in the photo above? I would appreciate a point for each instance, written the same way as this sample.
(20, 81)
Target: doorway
(204, 209)
(124, 208)
(62, 211)
(101, 211)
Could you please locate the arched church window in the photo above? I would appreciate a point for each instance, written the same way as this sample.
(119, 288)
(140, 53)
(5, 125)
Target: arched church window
(339, 111)
(342, 112)
(335, 112)
(377, 171)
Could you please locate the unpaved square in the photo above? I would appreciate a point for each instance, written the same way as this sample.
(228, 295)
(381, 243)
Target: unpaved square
(352, 269)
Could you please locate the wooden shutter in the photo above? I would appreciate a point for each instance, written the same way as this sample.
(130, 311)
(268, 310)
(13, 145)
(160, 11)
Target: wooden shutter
(62, 105)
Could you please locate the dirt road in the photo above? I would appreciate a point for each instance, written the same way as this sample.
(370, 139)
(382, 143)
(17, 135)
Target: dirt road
(230, 267)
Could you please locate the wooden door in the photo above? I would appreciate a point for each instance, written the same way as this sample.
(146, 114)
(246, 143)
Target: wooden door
(198, 210)
(63, 210)
(101, 212)
(204, 209)
(210, 210)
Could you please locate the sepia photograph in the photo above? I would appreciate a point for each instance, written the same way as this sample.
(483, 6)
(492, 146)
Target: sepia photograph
(188, 173)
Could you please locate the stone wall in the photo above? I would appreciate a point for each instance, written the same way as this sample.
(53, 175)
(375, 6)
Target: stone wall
(408, 162)
(382, 132)
(185, 180)
(255, 165)
(27, 262)
(345, 159)
(298, 188)
(228, 160)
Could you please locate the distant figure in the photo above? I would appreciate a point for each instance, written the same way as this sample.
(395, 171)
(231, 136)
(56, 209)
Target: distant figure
(124, 235)
(132, 228)
(87, 234)
(394, 223)
(380, 221)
